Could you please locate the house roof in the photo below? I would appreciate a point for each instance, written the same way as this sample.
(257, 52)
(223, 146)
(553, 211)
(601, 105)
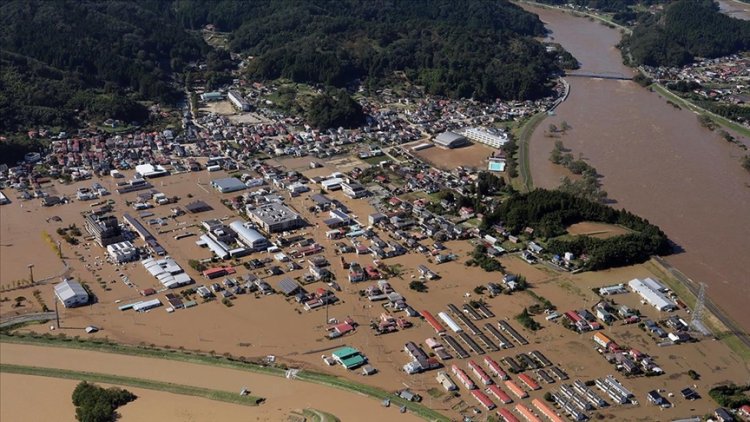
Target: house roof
(288, 286)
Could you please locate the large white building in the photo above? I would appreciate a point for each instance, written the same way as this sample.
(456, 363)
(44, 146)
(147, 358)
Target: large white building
(495, 140)
(122, 252)
(654, 297)
(249, 236)
(71, 293)
(167, 271)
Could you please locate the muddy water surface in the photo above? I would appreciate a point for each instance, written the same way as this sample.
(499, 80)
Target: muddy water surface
(657, 161)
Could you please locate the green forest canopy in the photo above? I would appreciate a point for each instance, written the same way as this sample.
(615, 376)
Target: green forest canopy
(549, 213)
(59, 56)
(685, 30)
(63, 62)
(481, 49)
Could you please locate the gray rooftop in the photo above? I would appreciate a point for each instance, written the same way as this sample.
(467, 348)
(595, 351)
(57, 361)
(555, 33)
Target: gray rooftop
(274, 212)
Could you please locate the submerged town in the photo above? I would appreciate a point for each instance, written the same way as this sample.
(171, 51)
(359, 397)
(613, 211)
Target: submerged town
(397, 270)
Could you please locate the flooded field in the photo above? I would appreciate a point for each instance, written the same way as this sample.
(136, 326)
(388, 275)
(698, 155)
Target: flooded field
(282, 395)
(20, 395)
(735, 8)
(657, 161)
(256, 326)
(474, 155)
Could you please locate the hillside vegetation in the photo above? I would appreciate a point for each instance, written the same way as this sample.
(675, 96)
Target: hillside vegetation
(67, 62)
(477, 49)
(97, 57)
(685, 30)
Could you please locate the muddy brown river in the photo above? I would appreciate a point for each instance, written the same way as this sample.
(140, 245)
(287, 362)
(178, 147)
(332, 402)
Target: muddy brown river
(657, 161)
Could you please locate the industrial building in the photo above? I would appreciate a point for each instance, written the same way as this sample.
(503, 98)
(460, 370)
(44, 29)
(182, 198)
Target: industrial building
(144, 234)
(275, 217)
(238, 101)
(167, 271)
(249, 236)
(450, 140)
(105, 229)
(71, 293)
(228, 184)
(122, 252)
(655, 298)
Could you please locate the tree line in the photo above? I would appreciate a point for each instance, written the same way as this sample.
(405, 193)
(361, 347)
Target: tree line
(64, 60)
(549, 213)
(481, 49)
(685, 30)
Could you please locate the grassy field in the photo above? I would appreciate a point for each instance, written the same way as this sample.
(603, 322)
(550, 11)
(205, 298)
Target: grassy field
(524, 136)
(221, 361)
(185, 390)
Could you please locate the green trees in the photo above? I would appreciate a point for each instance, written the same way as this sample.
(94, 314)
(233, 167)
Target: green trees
(96, 56)
(686, 29)
(333, 109)
(97, 404)
(525, 319)
(550, 212)
(478, 49)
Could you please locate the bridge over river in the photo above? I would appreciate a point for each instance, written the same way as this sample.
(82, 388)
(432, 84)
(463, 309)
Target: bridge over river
(600, 75)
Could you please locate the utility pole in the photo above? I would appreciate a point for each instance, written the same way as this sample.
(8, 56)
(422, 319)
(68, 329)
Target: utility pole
(57, 314)
(31, 273)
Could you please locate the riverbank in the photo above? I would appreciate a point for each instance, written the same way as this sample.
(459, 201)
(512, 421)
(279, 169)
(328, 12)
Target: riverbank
(218, 373)
(656, 160)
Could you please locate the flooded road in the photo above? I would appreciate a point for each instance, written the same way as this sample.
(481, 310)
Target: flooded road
(735, 9)
(657, 161)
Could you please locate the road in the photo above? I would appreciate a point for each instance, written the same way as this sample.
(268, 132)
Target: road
(41, 316)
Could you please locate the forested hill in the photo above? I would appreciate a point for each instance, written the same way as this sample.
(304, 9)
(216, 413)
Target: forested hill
(64, 62)
(58, 56)
(685, 30)
(480, 48)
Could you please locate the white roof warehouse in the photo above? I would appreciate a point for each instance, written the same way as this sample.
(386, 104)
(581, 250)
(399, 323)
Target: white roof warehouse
(655, 298)
(71, 293)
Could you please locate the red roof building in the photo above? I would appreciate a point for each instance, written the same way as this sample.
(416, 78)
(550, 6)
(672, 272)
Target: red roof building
(433, 322)
(483, 399)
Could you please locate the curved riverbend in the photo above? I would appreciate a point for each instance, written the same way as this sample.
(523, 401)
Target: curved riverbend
(657, 161)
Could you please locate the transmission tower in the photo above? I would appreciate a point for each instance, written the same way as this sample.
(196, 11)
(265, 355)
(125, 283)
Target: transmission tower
(697, 321)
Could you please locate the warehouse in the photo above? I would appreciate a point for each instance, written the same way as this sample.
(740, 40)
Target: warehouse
(228, 184)
(71, 293)
(249, 236)
(348, 357)
(655, 298)
(450, 140)
(169, 274)
(275, 217)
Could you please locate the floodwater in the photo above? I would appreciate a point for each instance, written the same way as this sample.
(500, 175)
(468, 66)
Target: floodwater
(657, 161)
(735, 9)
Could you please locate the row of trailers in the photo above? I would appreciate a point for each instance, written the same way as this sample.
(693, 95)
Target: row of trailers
(490, 388)
(534, 360)
(471, 328)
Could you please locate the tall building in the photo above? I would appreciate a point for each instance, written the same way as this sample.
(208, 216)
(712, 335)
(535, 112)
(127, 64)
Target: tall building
(105, 229)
